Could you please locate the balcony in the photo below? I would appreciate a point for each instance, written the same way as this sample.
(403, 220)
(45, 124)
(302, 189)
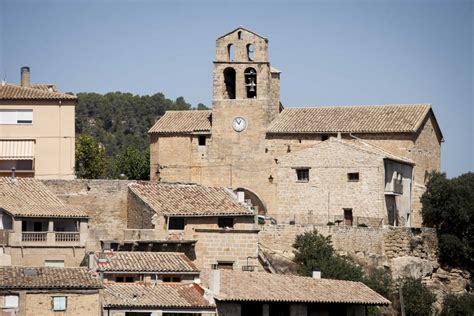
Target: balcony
(67, 237)
(34, 237)
(45, 239)
(395, 187)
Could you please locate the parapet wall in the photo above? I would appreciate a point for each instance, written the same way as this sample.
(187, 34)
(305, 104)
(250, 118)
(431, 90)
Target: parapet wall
(105, 201)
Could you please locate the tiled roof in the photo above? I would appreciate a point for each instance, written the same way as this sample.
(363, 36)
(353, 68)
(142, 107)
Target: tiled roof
(34, 92)
(351, 119)
(188, 199)
(144, 262)
(176, 122)
(266, 287)
(47, 278)
(31, 198)
(178, 295)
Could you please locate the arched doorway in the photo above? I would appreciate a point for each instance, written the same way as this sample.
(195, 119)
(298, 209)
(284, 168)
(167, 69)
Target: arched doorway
(254, 199)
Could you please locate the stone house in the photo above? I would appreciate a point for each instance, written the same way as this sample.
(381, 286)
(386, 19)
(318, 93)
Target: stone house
(150, 283)
(44, 291)
(207, 223)
(263, 294)
(37, 228)
(238, 143)
(37, 136)
(349, 182)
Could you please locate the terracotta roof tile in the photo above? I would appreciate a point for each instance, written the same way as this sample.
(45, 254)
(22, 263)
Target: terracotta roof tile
(183, 122)
(144, 262)
(188, 199)
(180, 295)
(35, 92)
(266, 287)
(351, 119)
(47, 278)
(30, 197)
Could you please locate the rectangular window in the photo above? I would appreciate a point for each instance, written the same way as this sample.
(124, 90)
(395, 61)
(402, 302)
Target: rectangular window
(171, 279)
(353, 176)
(348, 219)
(59, 303)
(225, 265)
(176, 223)
(302, 175)
(225, 222)
(10, 301)
(54, 263)
(16, 116)
(202, 140)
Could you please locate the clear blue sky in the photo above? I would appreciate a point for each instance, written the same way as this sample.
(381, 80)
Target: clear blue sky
(330, 52)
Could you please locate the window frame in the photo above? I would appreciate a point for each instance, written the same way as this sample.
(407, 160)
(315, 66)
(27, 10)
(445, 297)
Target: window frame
(58, 309)
(300, 174)
(202, 140)
(19, 115)
(10, 306)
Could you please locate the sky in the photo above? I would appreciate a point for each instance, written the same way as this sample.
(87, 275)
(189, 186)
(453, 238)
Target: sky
(329, 52)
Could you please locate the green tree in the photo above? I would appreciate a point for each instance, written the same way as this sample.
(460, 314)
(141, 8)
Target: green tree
(313, 251)
(448, 205)
(133, 163)
(90, 158)
(458, 305)
(417, 298)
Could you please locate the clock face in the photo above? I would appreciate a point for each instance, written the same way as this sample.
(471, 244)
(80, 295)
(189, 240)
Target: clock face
(239, 124)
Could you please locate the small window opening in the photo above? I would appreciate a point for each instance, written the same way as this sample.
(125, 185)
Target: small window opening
(302, 175)
(353, 176)
(59, 303)
(239, 35)
(251, 82)
(225, 265)
(168, 279)
(348, 219)
(225, 222)
(176, 223)
(119, 279)
(324, 137)
(202, 140)
(229, 81)
(250, 53)
(231, 52)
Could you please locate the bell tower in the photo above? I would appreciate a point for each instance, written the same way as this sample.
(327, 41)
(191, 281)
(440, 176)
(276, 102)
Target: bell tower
(245, 101)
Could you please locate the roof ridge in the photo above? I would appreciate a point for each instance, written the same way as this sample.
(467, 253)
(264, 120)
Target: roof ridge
(357, 106)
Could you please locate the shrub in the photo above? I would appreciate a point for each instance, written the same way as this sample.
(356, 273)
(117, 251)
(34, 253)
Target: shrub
(417, 298)
(458, 305)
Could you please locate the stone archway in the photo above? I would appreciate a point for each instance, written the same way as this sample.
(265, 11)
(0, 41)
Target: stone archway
(254, 199)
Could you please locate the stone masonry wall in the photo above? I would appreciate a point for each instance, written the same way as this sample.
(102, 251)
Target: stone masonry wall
(105, 201)
(77, 304)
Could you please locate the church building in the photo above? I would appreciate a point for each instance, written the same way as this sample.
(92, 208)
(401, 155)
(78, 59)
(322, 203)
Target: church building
(350, 165)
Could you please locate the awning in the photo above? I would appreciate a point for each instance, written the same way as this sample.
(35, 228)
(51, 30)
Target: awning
(17, 149)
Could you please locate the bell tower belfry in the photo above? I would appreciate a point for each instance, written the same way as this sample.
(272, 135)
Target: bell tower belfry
(246, 99)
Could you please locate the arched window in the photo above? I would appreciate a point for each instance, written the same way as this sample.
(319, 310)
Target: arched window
(230, 51)
(229, 81)
(250, 52)
(251, 83)
(239, 35)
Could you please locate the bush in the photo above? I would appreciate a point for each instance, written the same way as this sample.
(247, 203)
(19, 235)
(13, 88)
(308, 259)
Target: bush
(458, 305)
(417, 298)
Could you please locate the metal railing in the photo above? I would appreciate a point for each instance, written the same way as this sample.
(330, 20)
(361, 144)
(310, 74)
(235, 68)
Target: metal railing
(67, 236)
(34, 236)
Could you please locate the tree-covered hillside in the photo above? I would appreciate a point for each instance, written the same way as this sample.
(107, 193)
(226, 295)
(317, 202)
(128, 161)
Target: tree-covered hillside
(119, 122)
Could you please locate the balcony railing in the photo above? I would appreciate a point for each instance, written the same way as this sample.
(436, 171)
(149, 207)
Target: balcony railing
(33, 236)
(67, 237)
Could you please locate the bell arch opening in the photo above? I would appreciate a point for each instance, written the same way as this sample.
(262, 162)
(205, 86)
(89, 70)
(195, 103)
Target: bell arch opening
(254, 199)
(229, 83)
(251, 83)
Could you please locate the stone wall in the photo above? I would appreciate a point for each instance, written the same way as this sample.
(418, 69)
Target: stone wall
(78, 304)
(36, 257)
(105, 201)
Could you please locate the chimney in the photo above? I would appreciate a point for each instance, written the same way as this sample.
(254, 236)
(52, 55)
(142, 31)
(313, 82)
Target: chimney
(316, 274)
(214, 279)
(25, 76)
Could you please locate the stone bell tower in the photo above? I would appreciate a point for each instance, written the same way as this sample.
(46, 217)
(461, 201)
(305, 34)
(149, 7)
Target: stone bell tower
(246, 92)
